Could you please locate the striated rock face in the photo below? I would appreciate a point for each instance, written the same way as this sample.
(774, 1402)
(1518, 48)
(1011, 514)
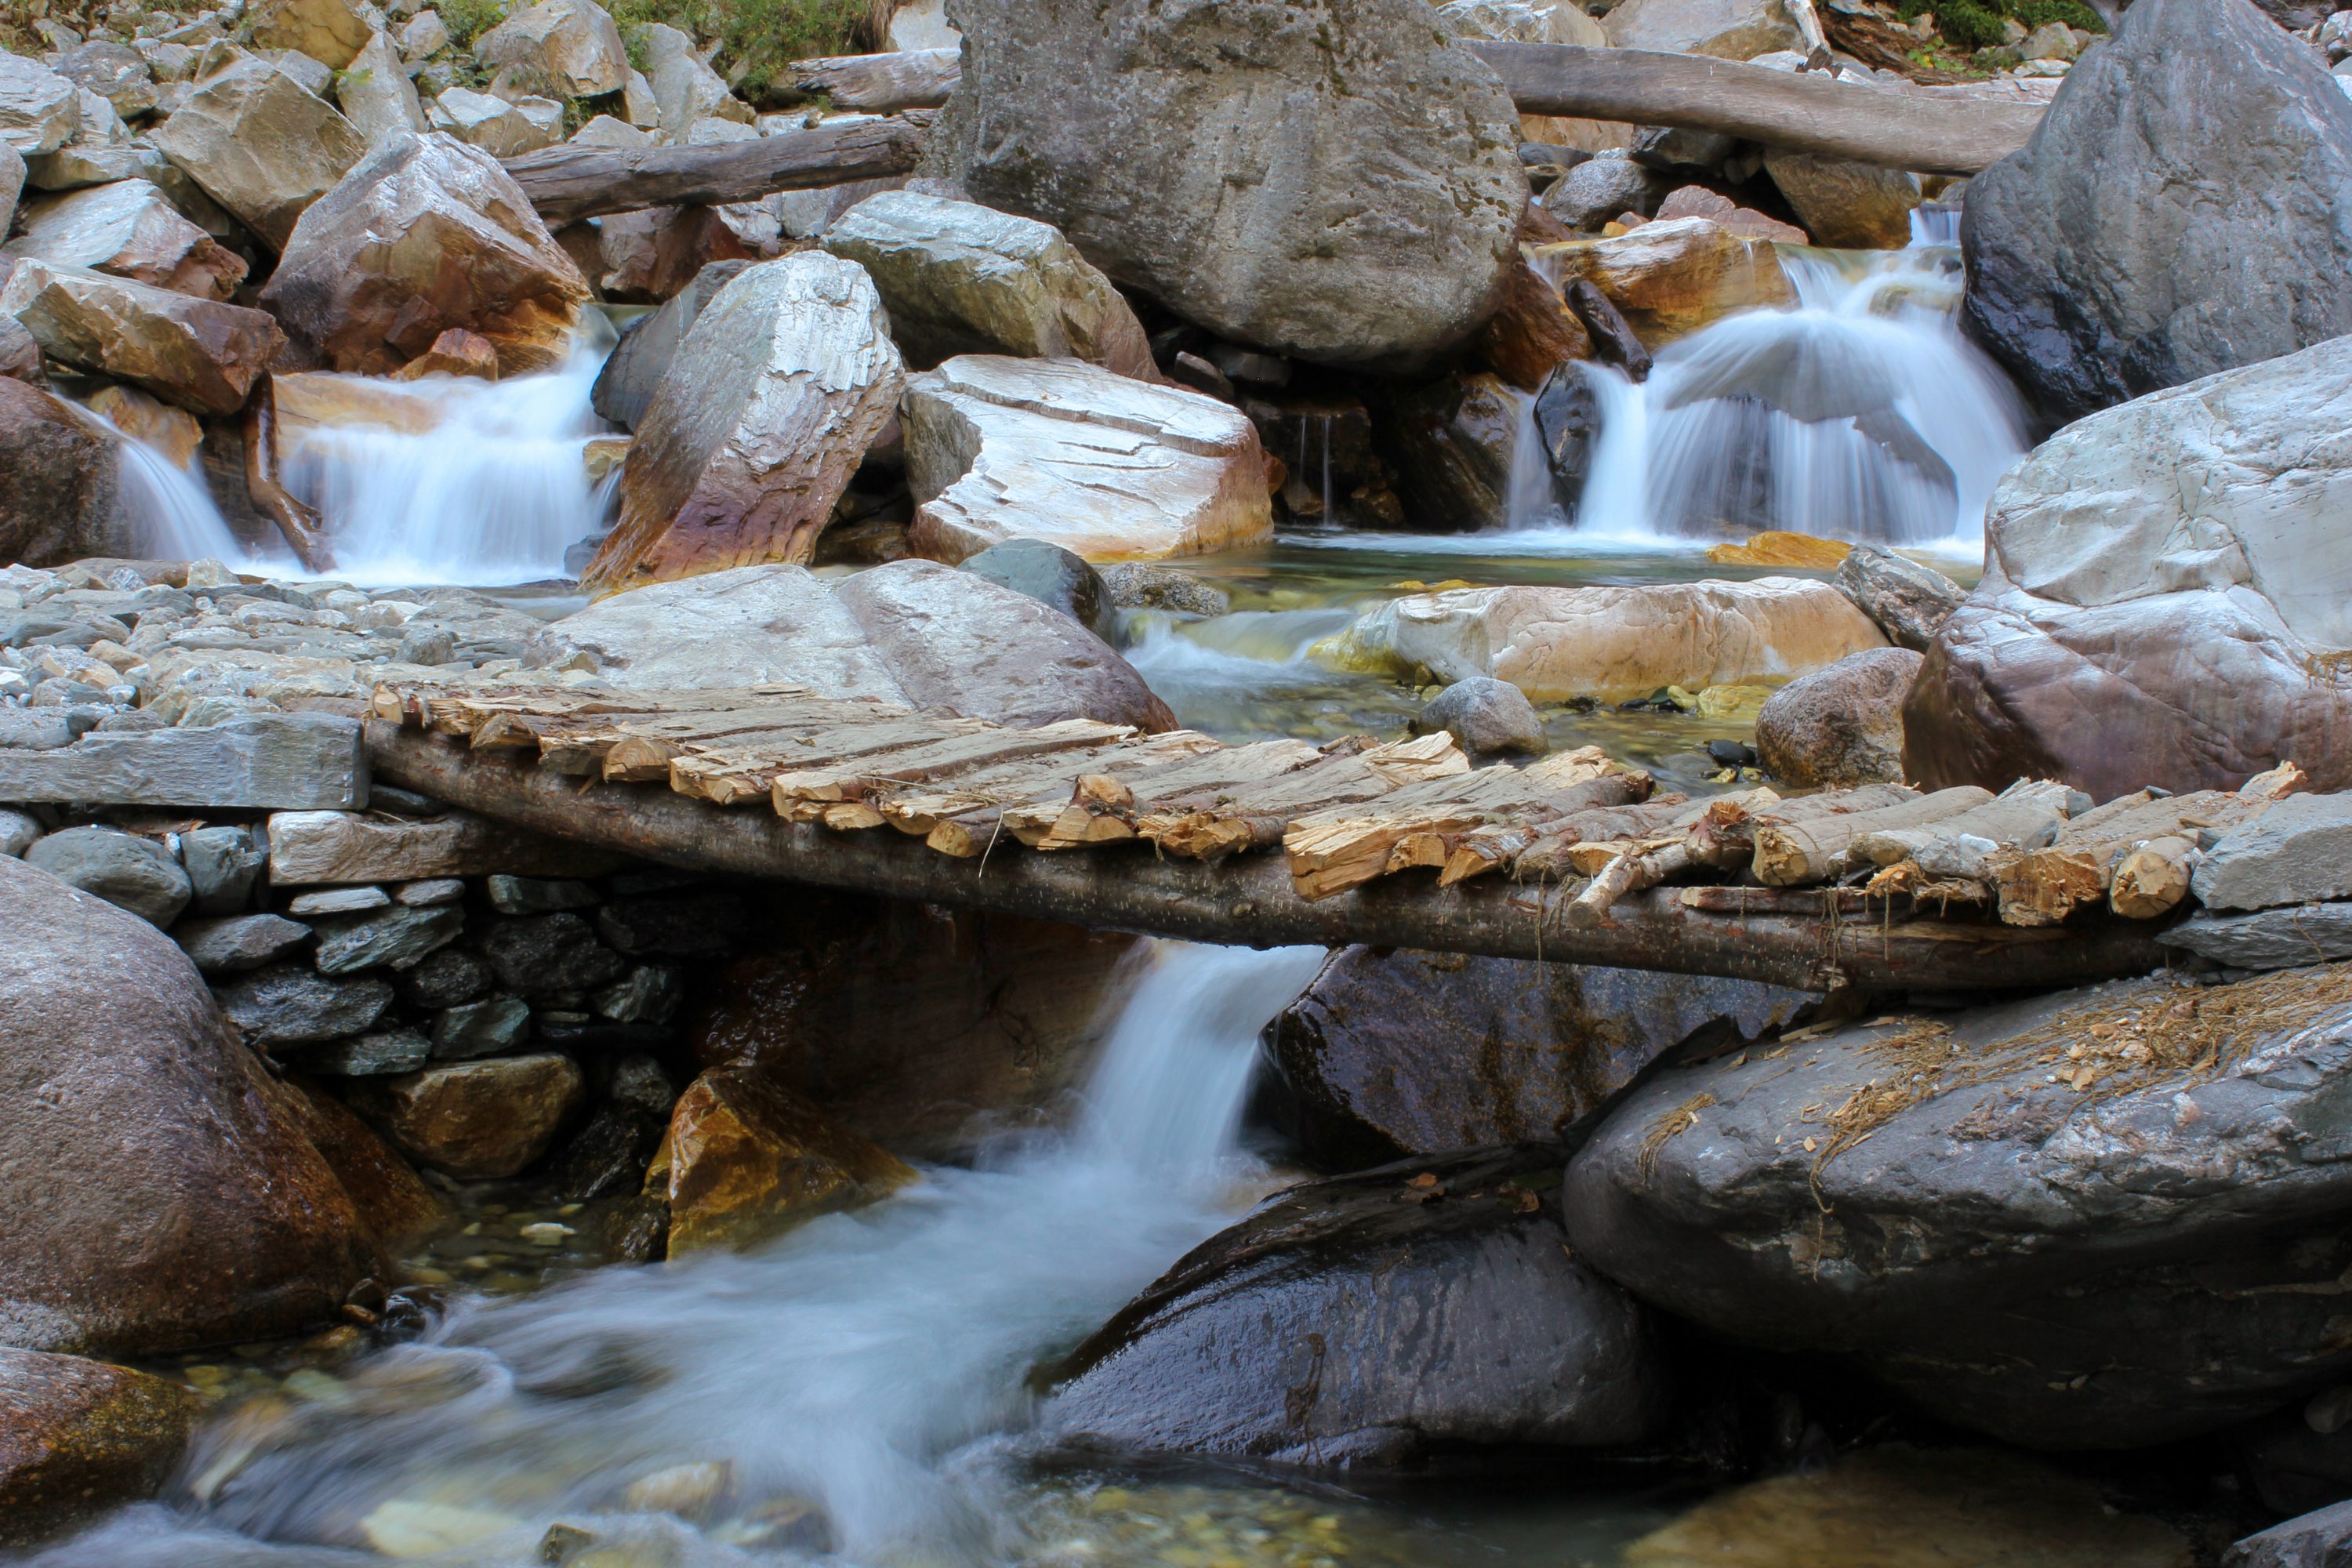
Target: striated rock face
(62, 500)
(199, 353)
(765, 410)
(1351, 1322)
(1615, 642)
(1671, 279)
(1391, 1053)
(261, 145)
(38, 112)
(746, 1158)
(1450, 445)
(1840, 726)
(2145, 1248)
(632, 372)
(1728, 29)
(79, 1436)
(563, 48)
(1213, 156)
(1102, 465)
(136, 1088)
(2160, 602)
(958, 278)
(2089, 277)
(423, 236)
(131, 229)
(497, 126)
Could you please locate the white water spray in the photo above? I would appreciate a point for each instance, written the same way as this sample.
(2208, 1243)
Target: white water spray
(866, 1363)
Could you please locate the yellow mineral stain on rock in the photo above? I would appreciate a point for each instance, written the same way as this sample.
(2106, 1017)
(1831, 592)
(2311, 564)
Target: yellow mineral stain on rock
(1777, 547)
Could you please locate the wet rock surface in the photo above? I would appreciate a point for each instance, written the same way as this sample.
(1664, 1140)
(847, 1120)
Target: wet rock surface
(476, 1119)
(1484, 715)
(744, 1159)
(79, 1436)
(1840, 726)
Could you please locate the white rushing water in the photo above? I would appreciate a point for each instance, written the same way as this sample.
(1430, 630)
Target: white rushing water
(868, 1363)
(171, 513)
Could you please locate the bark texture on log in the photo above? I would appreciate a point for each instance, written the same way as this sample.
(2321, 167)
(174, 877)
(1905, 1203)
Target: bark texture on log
(880, 84)
(1249, 899)
(294, 518)
(567, 184)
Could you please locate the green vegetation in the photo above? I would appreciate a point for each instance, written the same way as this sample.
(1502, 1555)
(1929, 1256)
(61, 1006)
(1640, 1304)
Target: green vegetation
(469, 19)
(1976, 24)
(756, 38)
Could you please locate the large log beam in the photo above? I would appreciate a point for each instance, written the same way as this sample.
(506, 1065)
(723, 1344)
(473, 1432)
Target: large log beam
(567, 184)
(1247, 900)
(880, 84)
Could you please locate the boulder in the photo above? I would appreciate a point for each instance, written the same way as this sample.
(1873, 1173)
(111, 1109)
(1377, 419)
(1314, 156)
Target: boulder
(376, 96)
(958, 278)
(2157, 605)
(1613, 642)
(764, 413)
(261, 145)
(127, 871)
(1840, 726)
(475, 1120)
(745, 1158)
(115, 72)
(2298, 851)
(130, 229)
(1103, 464)
(1908, 602)
(1051, 575)
(329, 31)
(201, 354)
(78, 1437)
(647, 256)
(2321, 1539)
(1698, 201)
(39, 110)
(1854, 206)
(63, 498)
(1395, 1052)
(165, 1201)
(423, 237)
(960, 643)
(20, 354)
(1484, 715)
(1237, 196)
(1138, 584)
(684, 87)
(2088, 278)
(2101, 1218)
(1357, 1321)
(1451, 445)
(563, 48)
(456, 352)
(290, 1004)
(1671, 279)
(230, 945)
(635, 368)
(1728, 29)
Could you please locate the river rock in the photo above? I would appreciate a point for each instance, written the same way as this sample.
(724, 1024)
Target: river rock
(1138, 584)
(2321, 1539)
(563, 48)
(2059, 1267)
(230, 945)
(329, 31)
(1672, 279)
(748, 626)
(131, 229)
(2092, 283)
(1098, 463)
(376, 96)
(635, 368)
(163, 1201)
(116, 72)
(20, 355)
(684, 87)
(1614, 642)
(39, 111)
(443, 979)
(765, 412)
(2284, 938)
(375, 1053)
(958, 278)
(78, 1437)
(1728, 29)
(63, 498)
(1450, 444)
(1840, 726)
(1484, 715)
(1397, 1052)
(261, 145)
(2182, 630)
(199, 353)
(223, 864)
(745, 1158)
(289, 1005)
(1355, 1321)
(537, 954)
(394, 938)
(1854, 206)
(423, 236)
(128, 871)
(1051, 575)
(1237, 196)
(960, 643)
(475, 1120)
(1910, 602)
(481, 1028)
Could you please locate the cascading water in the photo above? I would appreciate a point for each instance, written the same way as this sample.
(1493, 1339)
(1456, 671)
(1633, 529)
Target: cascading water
(171, 515)
(866, 1363)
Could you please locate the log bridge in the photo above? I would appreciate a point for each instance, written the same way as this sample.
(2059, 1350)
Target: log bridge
(1572, 857)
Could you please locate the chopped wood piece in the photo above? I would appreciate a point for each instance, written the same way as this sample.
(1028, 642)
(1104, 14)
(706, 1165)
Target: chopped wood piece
(1790, 853)
(2046, 886)
(1628, 873)
(2023, 817)
(1727, 839)
(2153, 880)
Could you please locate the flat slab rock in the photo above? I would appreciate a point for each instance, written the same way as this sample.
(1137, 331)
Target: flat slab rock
(268, 761)
(309, 847)
(2267, 939)
(2321, 1539)
(2299, 852)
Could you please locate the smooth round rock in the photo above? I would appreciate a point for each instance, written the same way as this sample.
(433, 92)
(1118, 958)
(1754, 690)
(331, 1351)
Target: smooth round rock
(1486, 716)
(126, 870)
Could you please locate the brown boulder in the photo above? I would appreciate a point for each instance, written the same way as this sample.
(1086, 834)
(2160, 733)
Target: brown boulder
(391, 1200)
(1672, 279)
(455, 353)
(157, 1194)
(79, 1436)
(131, 229)
(329, 31)
(1857, 207)
(260, 144)
(477, 1119)
(201, 354)
(20, 355)
(62, 499)
(1533, 332)
(646, 258)
(424, 234)
(1840, 726)
(746, 1158)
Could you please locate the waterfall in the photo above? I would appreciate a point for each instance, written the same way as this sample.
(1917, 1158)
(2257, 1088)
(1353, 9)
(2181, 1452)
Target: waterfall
(866, 1362)
(171, 513)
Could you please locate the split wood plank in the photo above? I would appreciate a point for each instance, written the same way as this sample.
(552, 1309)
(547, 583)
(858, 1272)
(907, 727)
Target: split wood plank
(746, 768)
(1255, 818)
(1726, 838)
(967, 828)
(944, 758)
(1790, 853)
(1064, 820)
(2023, 817)
(2076, 869)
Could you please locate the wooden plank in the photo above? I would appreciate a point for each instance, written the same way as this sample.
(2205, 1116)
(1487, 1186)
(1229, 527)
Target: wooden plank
(273, 760)
(1086, 782)
(1255, 817)
(567, 184)
(945, 757)
(746, 768)
(1789, 853)
(1329, 852)
(1063, 820)
(2019, 818)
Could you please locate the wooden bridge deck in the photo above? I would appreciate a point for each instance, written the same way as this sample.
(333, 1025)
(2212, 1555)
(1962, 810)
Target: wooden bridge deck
(1276, 841)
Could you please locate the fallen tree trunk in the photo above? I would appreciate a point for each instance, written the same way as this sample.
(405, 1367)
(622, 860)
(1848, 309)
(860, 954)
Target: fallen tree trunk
(879, 84)
(1801, 113)
(1248, 899)
(567, 184)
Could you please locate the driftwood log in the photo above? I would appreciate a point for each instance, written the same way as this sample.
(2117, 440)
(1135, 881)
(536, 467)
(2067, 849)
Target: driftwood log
(1249, 898)
(567, 184)
(294, 518)
(879, 84)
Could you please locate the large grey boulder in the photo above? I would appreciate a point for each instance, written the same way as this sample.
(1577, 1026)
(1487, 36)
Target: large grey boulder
(201, 354)
(1910, 602)
(2102, 1218)
(563, 48)
(375, 94)
(1355, 1321)
(1397, 1052)
(958, 277)
(115, 72)
(260, 144)
(763, 414)
(2159, 603)
(1238, 192)
(2322, 1539)
(1840, 726)
(131, 229)
(1484, 715)
(625, 385)
(39, 110)
(1728, 29)
(2090, 278)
